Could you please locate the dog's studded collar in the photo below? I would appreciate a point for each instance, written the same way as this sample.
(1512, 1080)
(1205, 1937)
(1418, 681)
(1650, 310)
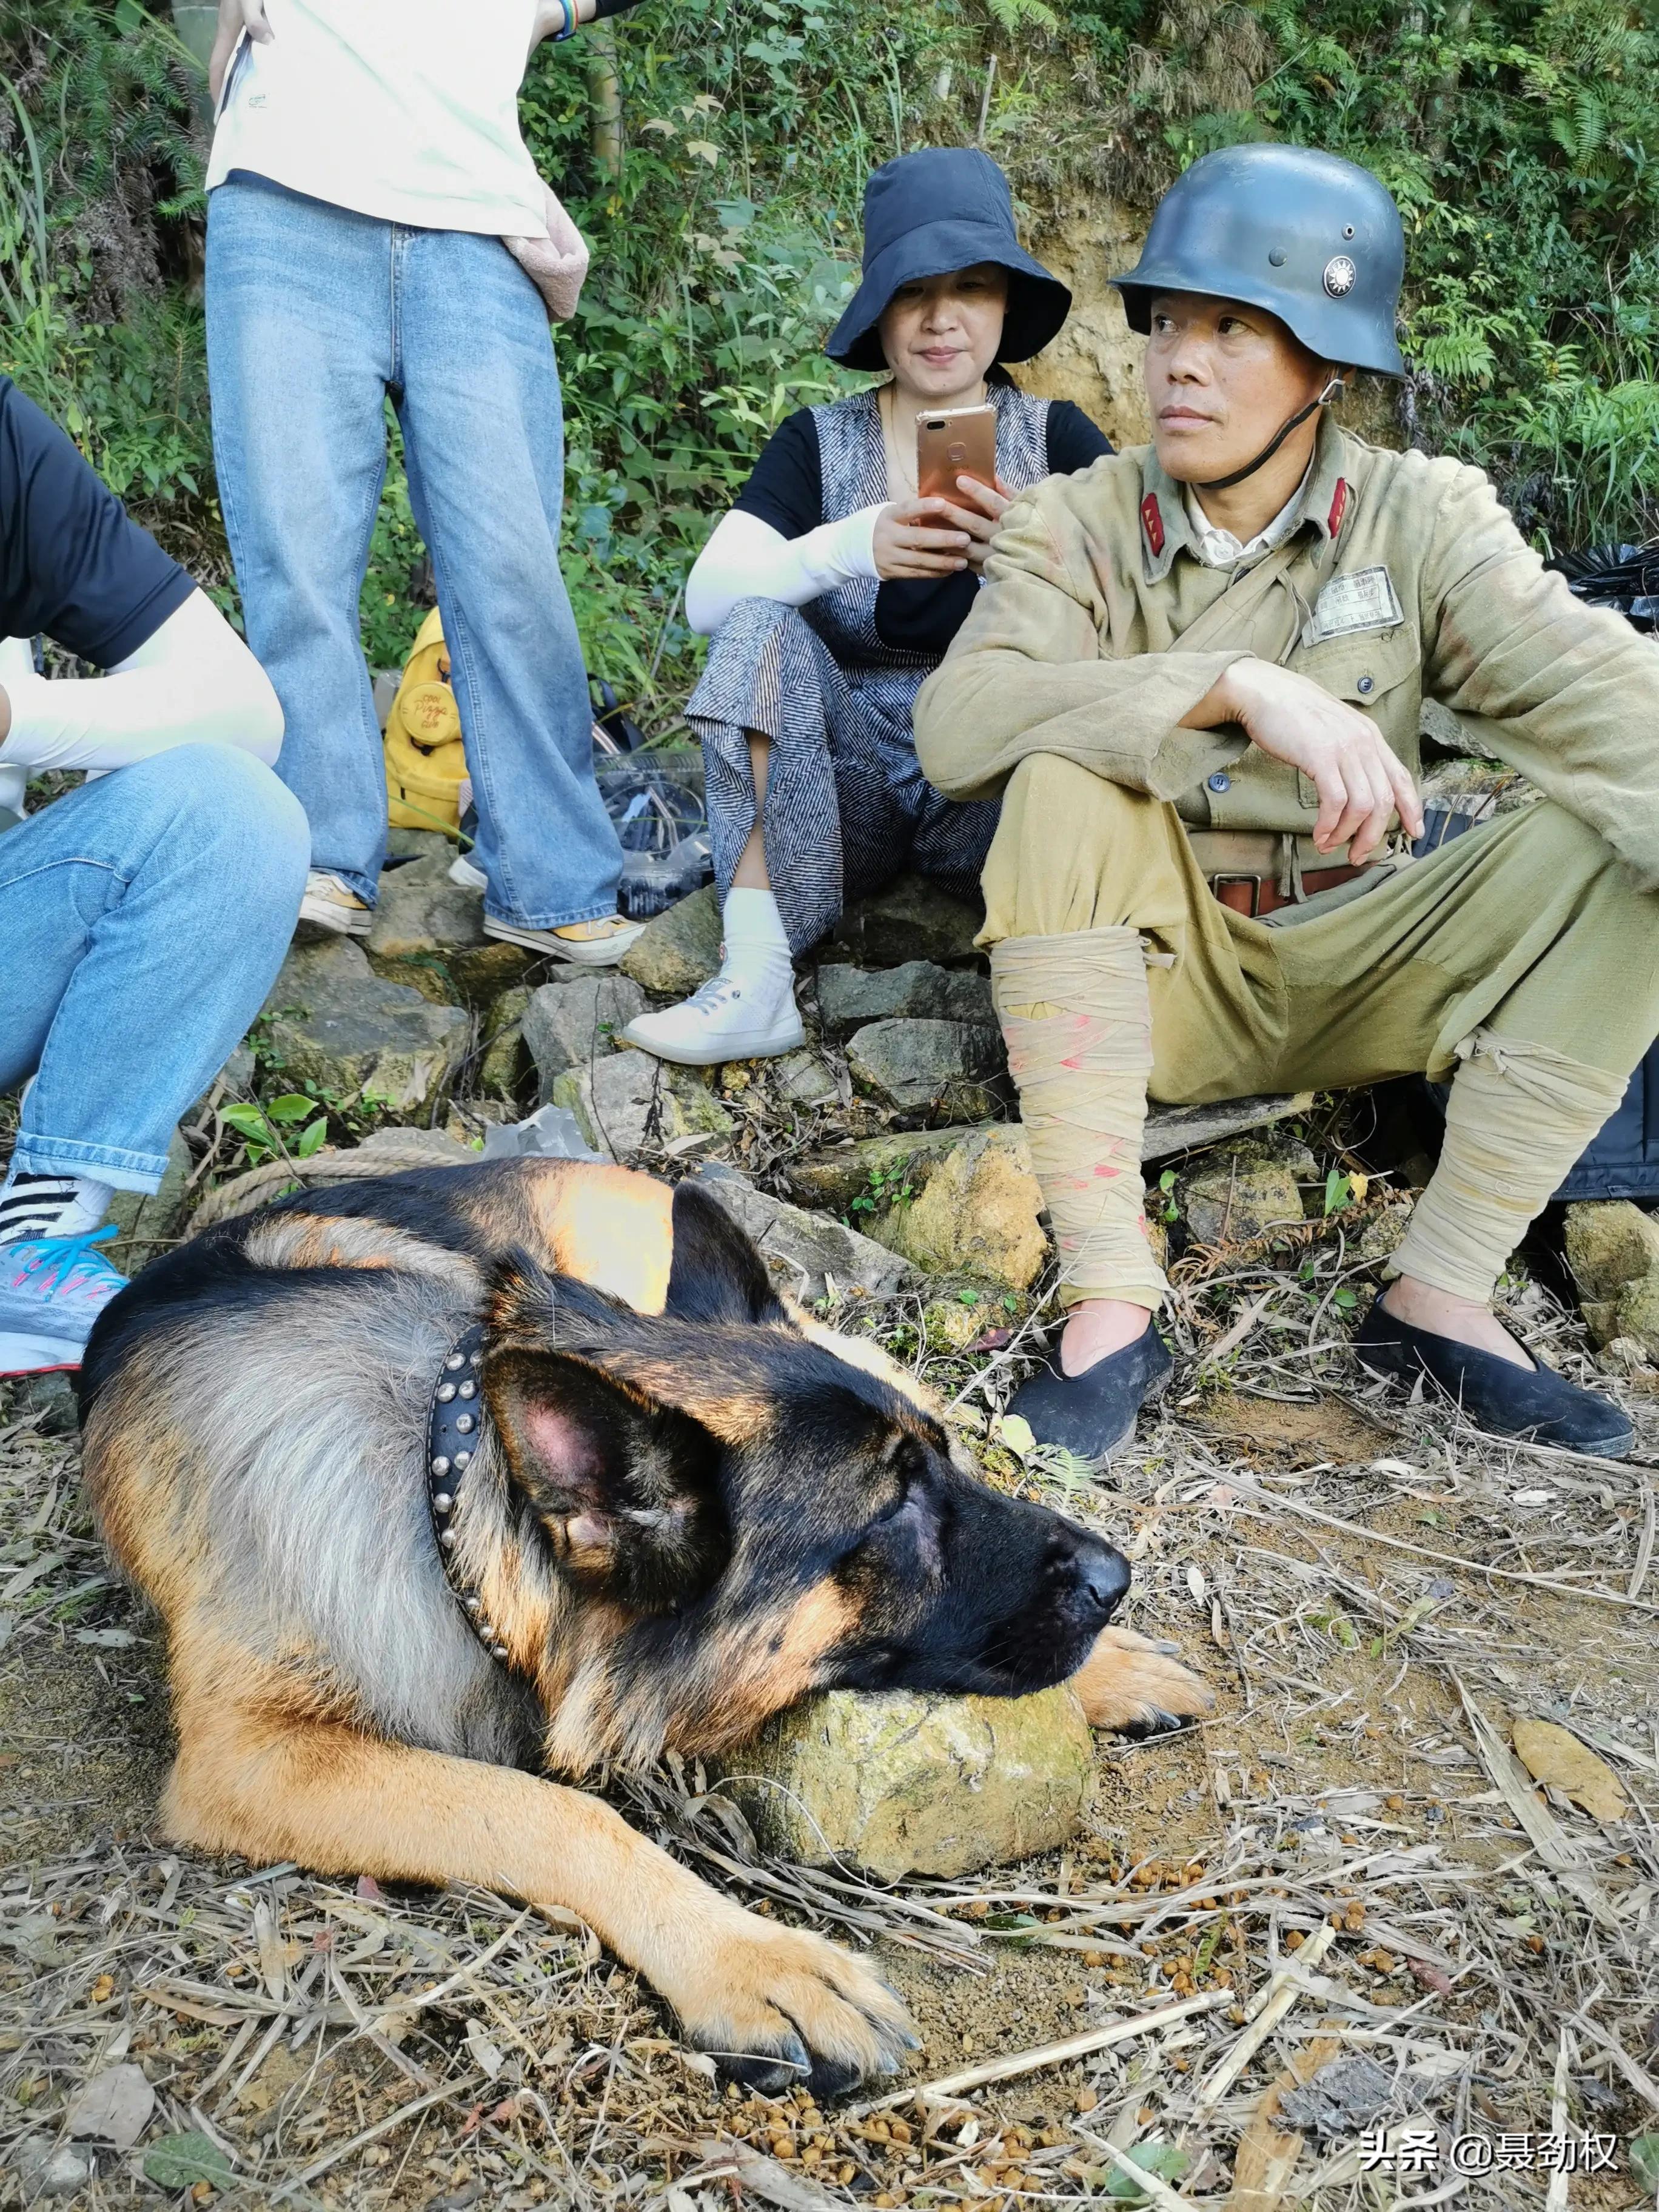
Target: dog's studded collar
(452, 1438)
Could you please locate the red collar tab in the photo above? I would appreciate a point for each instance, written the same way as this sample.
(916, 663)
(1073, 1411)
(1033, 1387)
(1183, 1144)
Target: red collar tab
(1151, 521)
(1339, 507)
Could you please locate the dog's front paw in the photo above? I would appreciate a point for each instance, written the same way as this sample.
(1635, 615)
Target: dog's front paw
(1138, 1687)
(779, 2008)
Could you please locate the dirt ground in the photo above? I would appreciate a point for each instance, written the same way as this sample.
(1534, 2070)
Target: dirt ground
(1374, 1595)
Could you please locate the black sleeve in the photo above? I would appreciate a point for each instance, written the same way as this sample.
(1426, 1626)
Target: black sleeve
(1073, 440)
(923, 614)
(72, 561)
(785, 486)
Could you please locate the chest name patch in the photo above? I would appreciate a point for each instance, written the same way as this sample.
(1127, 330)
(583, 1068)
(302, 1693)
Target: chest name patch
(1365, 601)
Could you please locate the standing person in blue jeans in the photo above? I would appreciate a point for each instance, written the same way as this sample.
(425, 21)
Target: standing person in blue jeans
(366, 168)
(143, 915)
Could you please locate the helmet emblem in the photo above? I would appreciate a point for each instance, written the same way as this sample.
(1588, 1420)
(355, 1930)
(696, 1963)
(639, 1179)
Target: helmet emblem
(1340, 275)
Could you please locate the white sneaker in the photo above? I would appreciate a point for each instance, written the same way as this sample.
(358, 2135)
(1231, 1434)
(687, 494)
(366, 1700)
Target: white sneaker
(726, 1018)
(329, 904)
(462, 871)
(599, 943)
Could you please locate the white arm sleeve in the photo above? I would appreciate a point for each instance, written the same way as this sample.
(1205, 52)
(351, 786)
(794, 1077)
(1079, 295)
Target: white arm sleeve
(746, 559)
(193, 681)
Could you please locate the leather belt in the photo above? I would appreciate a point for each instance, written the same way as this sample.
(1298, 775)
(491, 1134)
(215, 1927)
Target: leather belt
(1257, 896)
(1245, 869)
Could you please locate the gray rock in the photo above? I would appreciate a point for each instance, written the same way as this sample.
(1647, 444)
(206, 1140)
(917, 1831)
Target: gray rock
(429, 933)
(420, 911)
(912, 919)
(901, 1783)
(52, 1398)
(576, 1018)
(679, 949)
(148, 1223)
(503, 1063)
(44, 2168)
(1237, 1196)
(332, 1021)
(805, 1252)
(630, 1106)
(850, 996)
(805, 1079)
(1171, 1129)
(929, 1063)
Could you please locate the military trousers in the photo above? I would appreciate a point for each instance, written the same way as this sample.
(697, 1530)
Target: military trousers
(1526, 930)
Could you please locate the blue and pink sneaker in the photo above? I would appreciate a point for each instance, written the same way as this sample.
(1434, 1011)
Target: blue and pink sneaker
(51, 1291)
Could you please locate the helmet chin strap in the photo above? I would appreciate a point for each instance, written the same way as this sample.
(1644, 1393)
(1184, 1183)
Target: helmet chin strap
(1225, 483)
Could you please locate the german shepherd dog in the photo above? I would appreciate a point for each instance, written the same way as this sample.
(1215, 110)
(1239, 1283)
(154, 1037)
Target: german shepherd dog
(682, 1505)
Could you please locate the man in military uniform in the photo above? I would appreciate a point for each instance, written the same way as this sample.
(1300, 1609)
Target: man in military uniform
(1195, 675)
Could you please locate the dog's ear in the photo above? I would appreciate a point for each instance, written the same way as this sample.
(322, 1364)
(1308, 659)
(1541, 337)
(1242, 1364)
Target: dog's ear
(716, 1273)
(624, 1484)
(625, 1489)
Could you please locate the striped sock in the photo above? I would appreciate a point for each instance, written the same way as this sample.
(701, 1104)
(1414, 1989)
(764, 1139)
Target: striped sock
(50, 1206)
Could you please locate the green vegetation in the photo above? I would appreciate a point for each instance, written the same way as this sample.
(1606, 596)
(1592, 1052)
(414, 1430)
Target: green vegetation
(1521, 137)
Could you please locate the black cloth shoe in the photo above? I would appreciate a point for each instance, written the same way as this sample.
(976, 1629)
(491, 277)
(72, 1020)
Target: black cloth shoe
(1092, 1413)
(1504, 1400)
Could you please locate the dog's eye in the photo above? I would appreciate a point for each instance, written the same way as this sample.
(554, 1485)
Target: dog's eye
(889, 1511)
(905, 1456)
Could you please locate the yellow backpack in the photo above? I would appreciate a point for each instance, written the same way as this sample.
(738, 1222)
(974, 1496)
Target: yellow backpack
(425, 763)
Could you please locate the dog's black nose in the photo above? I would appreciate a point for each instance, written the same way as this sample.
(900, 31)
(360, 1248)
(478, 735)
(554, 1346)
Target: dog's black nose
(1102, 1578)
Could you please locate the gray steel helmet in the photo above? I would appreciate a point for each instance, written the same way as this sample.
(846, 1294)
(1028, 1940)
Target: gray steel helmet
(1315, 240)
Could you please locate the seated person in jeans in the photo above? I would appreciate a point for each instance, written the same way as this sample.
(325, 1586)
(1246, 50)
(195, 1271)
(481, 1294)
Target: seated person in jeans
(833, 590)
(143, 917)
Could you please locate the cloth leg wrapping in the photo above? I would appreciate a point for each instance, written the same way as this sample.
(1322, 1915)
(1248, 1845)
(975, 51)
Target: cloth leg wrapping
(1519, 1116)
(1078, 1023)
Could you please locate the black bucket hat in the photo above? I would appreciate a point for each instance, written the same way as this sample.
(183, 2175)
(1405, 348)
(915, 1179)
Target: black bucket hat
(925, 214)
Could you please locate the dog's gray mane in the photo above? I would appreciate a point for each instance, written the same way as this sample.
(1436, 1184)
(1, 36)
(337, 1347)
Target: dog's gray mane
(311, 1430)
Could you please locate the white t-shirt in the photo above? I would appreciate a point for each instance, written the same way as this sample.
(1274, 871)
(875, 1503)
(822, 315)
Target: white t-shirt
(406, 110)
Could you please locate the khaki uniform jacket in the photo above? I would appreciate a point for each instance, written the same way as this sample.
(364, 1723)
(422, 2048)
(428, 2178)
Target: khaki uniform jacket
(1098, 628)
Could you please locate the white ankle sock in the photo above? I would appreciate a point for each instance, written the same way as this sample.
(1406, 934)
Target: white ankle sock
(33, 1206)
(756, 949)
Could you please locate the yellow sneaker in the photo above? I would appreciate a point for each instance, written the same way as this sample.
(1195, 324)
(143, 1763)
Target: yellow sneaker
(329, 905)
(599, 943)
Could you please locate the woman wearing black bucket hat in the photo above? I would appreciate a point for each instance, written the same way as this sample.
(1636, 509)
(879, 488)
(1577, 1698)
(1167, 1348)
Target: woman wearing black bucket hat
(833, 590)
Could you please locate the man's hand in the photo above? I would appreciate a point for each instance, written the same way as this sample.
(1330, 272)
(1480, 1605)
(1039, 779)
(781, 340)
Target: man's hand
(912, 540)
(5, 714)
(981, 509)
(235, 16)
(1359, 781)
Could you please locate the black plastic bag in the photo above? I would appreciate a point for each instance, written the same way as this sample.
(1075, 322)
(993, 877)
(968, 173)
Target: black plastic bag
(1623, 577)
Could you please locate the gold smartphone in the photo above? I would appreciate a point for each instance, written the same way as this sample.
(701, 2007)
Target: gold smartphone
(952, 442)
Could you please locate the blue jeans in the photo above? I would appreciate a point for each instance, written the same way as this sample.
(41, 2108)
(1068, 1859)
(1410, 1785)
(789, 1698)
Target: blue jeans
(144, 918)
(314, 315)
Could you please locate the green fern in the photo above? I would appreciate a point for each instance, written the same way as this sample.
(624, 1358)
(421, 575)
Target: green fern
(1019, 14)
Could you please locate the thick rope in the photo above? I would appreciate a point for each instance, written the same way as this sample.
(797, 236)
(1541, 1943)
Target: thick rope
(243, 1194)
